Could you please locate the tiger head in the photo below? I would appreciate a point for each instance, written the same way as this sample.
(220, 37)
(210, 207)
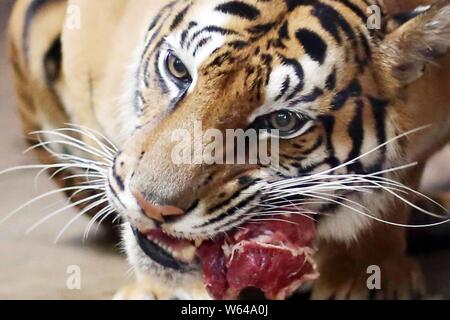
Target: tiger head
(325, 78)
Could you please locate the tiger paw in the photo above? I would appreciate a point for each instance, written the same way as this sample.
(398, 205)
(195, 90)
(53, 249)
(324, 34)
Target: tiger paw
(135, 291)
(402, 279)
(146, 291)
(395, 278)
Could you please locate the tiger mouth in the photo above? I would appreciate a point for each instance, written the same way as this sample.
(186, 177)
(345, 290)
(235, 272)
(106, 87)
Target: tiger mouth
(167, 251)
(274, 256)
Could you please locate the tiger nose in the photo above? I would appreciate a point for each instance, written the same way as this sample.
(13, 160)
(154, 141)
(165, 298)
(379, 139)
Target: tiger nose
(155, 211)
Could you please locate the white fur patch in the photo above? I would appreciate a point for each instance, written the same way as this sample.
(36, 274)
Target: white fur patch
(204, 15)
(315, 76)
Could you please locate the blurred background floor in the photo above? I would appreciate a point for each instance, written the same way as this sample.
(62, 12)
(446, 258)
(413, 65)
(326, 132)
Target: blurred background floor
(33, 267)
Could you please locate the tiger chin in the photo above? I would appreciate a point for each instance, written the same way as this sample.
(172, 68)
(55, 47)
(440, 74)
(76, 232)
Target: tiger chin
(354, 104)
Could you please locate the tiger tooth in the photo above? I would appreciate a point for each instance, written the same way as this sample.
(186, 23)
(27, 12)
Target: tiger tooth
(188, 254)
(198, 242)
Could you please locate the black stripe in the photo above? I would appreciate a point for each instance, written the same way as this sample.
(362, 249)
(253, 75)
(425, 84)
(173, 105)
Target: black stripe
(220, 60)
(331, 81)
(356, 10)
(238, 44)
(30, 13)
(313, 96)
(379, 111)
(229, 200)
(293, 4)
(284, 88)
(53, 61)
(261, 29)
(305, 153)
(283, 32)
(200, 44)
(118, 179)
(356, 133)
(146, 72)
(313, 44)
(332, 21)
(163, 14)
(185, 32)
(353, 90)
(329, 123)
(116, 197)
(210, 29)
(230, 212)
(160, 78)
(300, 74)
(240, 9)
(305, 170)
(267, 61)
(180, 17)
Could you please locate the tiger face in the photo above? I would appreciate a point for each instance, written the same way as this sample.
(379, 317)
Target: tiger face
(312, 70)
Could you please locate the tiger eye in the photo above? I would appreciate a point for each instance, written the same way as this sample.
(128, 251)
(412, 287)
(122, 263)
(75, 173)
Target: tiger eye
(284, 121)
(176, 67)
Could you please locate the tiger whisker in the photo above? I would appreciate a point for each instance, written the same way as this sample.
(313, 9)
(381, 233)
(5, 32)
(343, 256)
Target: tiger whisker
(276, 220)
(94, 219)
(104, 218)
(343, 199)
(85, 176)
(345, 164)
(101, 188)
(103, 146)
(71, 141)
(99, 182)
(54, 213)
(81, 160)
(389, 185)
(277, 204)
(392, 191)
(79, 215)
(116, 218)
(66, 143)
(306, 214)
(94, 132)
(41, 166)
(69, 157)
(382, 220)
(42, 196)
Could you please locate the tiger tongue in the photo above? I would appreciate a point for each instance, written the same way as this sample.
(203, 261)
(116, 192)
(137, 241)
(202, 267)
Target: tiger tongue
(273, 256)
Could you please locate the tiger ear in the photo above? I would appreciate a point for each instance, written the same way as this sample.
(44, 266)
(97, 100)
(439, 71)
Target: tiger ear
(408, 49)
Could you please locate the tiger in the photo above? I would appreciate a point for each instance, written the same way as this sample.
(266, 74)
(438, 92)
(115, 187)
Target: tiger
(352, 91)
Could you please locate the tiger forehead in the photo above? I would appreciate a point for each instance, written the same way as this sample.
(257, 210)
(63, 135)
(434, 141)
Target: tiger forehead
(273, 54)
(215, 34)
(254, 18)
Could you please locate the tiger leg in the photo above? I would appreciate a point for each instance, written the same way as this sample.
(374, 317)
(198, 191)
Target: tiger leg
(374, 266)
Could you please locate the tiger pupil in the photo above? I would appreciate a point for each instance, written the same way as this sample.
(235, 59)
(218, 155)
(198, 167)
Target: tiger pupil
(284, 121)
(179, 67)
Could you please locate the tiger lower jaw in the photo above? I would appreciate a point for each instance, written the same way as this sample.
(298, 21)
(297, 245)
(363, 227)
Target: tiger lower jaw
(145, 266)
(179, 256)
